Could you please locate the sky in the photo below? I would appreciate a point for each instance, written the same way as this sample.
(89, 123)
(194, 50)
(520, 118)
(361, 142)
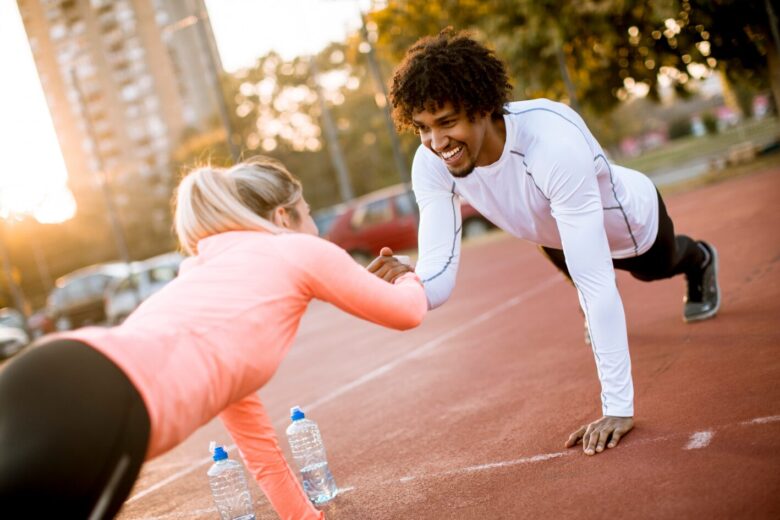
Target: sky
(33, 175)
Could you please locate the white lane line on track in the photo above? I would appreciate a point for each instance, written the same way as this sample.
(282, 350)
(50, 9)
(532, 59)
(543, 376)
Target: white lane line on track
(493, 465)
(430, 345)
(700, 440)
(180, 514)
(763, 420)
(193, 466)
(377, 372)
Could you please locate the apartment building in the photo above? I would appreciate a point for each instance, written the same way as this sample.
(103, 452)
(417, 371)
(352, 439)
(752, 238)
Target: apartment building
(125, 80)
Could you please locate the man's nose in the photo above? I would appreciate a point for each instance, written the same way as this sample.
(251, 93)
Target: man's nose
(439, 141)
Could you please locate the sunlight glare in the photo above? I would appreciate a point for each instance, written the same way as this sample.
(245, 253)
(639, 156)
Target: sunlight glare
(33, 175)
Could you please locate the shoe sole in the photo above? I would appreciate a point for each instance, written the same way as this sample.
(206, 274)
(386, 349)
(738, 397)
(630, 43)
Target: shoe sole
(712, 312)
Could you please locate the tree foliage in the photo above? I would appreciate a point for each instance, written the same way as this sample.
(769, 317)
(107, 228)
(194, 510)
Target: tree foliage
(609, 46)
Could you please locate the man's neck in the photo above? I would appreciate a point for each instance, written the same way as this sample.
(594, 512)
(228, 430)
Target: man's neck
(493, 145)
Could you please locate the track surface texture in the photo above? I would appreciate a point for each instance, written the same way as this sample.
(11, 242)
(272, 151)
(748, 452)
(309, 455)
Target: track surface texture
(465, 417)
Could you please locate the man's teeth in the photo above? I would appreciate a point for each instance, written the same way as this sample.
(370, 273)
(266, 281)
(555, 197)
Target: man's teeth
(451, 153)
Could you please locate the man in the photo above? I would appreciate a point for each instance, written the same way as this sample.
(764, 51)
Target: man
(535, 170)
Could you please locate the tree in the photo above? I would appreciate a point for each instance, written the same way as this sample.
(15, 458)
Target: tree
(609, 47)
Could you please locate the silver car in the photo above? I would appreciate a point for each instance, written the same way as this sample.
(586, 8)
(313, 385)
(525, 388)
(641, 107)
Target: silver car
(147, 277)
(12, 340)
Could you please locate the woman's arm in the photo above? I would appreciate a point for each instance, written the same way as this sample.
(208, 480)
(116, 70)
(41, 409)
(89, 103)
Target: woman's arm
(251, 430)
(330, 274)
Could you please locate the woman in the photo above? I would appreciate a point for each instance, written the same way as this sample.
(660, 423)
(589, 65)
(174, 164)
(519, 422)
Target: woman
(80, 413)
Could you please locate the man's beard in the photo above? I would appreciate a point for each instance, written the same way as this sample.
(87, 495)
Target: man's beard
(464, 173)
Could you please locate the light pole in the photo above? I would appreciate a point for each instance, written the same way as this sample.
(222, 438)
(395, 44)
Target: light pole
(102, 178)
(20, 302)
(113, 216)
(201, 17)
(331, 136)
(376, 72)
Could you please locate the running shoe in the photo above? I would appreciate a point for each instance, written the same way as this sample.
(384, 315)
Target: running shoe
(703, 297)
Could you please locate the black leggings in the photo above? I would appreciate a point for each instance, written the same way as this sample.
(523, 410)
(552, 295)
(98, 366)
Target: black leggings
(73, 434)
(670, 254)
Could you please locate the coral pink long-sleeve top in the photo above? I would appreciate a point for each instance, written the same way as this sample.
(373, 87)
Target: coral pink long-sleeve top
(204, 344)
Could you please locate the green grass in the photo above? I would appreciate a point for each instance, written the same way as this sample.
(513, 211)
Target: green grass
(689, 148)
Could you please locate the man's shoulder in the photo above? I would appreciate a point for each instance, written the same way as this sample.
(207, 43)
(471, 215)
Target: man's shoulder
(541, 105)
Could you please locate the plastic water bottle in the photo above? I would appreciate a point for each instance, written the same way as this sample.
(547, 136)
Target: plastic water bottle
(309, 454)
(228, 486)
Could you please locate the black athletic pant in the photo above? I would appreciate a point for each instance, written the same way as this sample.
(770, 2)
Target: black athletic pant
(73, 434)
(670, 254)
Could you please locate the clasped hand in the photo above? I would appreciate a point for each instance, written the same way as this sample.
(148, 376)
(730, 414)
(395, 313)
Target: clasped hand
(387, 267)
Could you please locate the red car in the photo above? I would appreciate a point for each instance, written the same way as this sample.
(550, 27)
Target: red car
(388, 217)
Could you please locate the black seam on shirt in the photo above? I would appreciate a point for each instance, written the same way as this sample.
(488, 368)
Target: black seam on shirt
(527, 172)
(612, 207)
(557, 114)
(454, 240)
(614, 194)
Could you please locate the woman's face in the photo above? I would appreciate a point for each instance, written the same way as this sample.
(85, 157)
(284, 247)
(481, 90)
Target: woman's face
(304, 223)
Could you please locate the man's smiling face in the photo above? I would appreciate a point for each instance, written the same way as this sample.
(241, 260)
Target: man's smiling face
(450, 134)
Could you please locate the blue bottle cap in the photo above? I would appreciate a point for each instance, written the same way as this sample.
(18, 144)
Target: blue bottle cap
(219, 454)
(296, 414)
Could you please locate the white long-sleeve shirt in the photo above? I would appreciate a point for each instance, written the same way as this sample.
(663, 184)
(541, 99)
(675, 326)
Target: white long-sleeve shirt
(552, 186)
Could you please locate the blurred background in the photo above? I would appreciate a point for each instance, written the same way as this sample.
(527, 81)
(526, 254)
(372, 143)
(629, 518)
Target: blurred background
(106, 103)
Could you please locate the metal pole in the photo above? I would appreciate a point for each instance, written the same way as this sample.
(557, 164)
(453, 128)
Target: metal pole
(216, 74)
(776, 37)
(773, 25)
(113, 217)
(400, 163)
(331, 136)
(16, 292)
(565, 70)
(40, 262)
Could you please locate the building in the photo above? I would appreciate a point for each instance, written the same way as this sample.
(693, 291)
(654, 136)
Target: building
(125, 81)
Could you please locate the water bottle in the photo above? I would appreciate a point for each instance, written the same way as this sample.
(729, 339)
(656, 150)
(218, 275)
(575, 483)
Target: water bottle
(309, 454)
(228, 486)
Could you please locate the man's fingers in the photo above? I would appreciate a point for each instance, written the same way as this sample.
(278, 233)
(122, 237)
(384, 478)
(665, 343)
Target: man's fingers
(391, 269)
(590, 439)
(616, 435)
(379, 262)
(575, 437)
(385, 255)
(397, 271)
(382, 271)
(603, 436)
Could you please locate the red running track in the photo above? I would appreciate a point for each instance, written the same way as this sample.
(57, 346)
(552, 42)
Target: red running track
(466, 416)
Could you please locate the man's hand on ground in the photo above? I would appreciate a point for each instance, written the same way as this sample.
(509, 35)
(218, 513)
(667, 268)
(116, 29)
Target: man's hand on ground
(606, 432)
(387, 267)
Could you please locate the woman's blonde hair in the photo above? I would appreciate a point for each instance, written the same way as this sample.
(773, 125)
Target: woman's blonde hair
(213, 200)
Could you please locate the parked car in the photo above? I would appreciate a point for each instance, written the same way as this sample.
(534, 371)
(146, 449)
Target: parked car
(77, 298)
(12, 318)
(388, 217)
(147, 277)
(325, 218)
(12, 340)
(13, 333)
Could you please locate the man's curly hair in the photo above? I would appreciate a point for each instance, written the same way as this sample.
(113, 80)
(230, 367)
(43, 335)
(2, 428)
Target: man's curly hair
(449, 67)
